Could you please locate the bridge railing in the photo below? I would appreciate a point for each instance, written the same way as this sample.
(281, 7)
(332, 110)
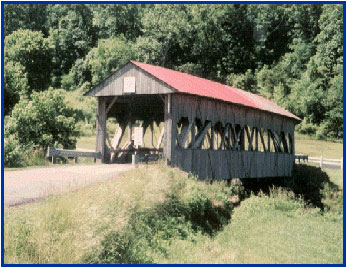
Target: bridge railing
(54, 153)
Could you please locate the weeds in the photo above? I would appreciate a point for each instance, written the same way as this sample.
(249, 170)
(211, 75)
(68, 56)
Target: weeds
(157, 214)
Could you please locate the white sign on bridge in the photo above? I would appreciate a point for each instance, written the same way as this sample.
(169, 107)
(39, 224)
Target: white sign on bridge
(129, 84)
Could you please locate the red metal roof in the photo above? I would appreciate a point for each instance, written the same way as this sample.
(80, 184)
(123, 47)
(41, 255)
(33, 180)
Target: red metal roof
(185, 83)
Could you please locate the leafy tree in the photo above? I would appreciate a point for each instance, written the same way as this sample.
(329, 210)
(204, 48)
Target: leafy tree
(108, 57)
(15, 84)
(116, 19)
(32, 51)
(72, 33)
(303, 21)
(25, 16)
(246, 81)
(100, 62)
(12, 152)
(43, 121)
(166, 35)
(225, 32)
(308, 93)
(330, 39)
(333, 124)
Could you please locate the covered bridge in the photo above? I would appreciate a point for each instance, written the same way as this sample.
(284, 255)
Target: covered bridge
(209, 129)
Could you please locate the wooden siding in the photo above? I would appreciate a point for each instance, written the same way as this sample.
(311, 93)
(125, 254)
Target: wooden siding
(217, 111)
(226, 164)
(144, 83)
(219, 164)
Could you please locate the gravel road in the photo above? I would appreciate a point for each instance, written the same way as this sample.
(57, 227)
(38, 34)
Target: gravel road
(30, 185)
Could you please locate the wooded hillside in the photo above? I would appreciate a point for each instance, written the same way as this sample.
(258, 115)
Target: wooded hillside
(292, 54)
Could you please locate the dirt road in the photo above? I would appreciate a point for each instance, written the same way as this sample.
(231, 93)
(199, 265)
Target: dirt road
(34, 184)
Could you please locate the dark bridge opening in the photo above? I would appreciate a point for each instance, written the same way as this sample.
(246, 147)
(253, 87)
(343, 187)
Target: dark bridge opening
(134, 124)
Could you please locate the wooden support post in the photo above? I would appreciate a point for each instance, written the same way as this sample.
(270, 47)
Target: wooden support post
(284, 142)
(269, 140)
(152, 133)
(183, 138)
(277, 142)
(213, 139)
(111, 104)
(109, 141)
(161, 137)
(192, 133)
(130, 130)
(118, 135)
(242, 139)
(229, 137)
(256, 140)
(75, 158)
(262, 139)
(236, 138)
(224, 135)
(201, 135)
(53, 160)
(250, 138)
(101, 129)
(170, 130)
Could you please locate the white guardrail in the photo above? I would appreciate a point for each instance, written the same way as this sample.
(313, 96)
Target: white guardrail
(319, 160)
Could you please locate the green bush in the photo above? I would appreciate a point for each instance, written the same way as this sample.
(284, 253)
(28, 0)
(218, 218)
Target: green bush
(13, 154)
(44, 121)
(306, 128)
(310, 183)
(191, 209)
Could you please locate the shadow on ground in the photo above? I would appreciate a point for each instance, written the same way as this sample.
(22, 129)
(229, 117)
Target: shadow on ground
(309, 182)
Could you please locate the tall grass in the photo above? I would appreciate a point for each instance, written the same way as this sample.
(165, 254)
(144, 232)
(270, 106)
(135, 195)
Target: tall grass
(157, 214)
(267, 229)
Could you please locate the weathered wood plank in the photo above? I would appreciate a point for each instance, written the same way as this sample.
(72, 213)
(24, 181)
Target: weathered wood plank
(52, 152)
(201, 135)
(101, 129)
(111, 104)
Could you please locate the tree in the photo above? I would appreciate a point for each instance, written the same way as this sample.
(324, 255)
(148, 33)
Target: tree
(108, 56)
(23, 16)
(223, 39)
(15, 84)
(330, 39)
(100, 62)
(115, 19)
(44, 121)
(72, 33)
(166, 35)
(308, 93)
(246, 81)
(332, 126)
(32, 51)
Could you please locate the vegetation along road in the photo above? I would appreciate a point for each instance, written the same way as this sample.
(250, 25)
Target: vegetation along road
(23, 186)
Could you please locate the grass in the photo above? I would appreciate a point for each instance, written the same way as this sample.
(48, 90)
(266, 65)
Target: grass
(267, 229)
(316, 148)
(157, 214)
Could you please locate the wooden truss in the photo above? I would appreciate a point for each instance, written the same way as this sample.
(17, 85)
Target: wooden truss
(197, 135)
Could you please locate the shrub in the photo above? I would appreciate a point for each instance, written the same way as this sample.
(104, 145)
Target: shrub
(306, 128)
(44, 121)
(191, 208)
(13, 154)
